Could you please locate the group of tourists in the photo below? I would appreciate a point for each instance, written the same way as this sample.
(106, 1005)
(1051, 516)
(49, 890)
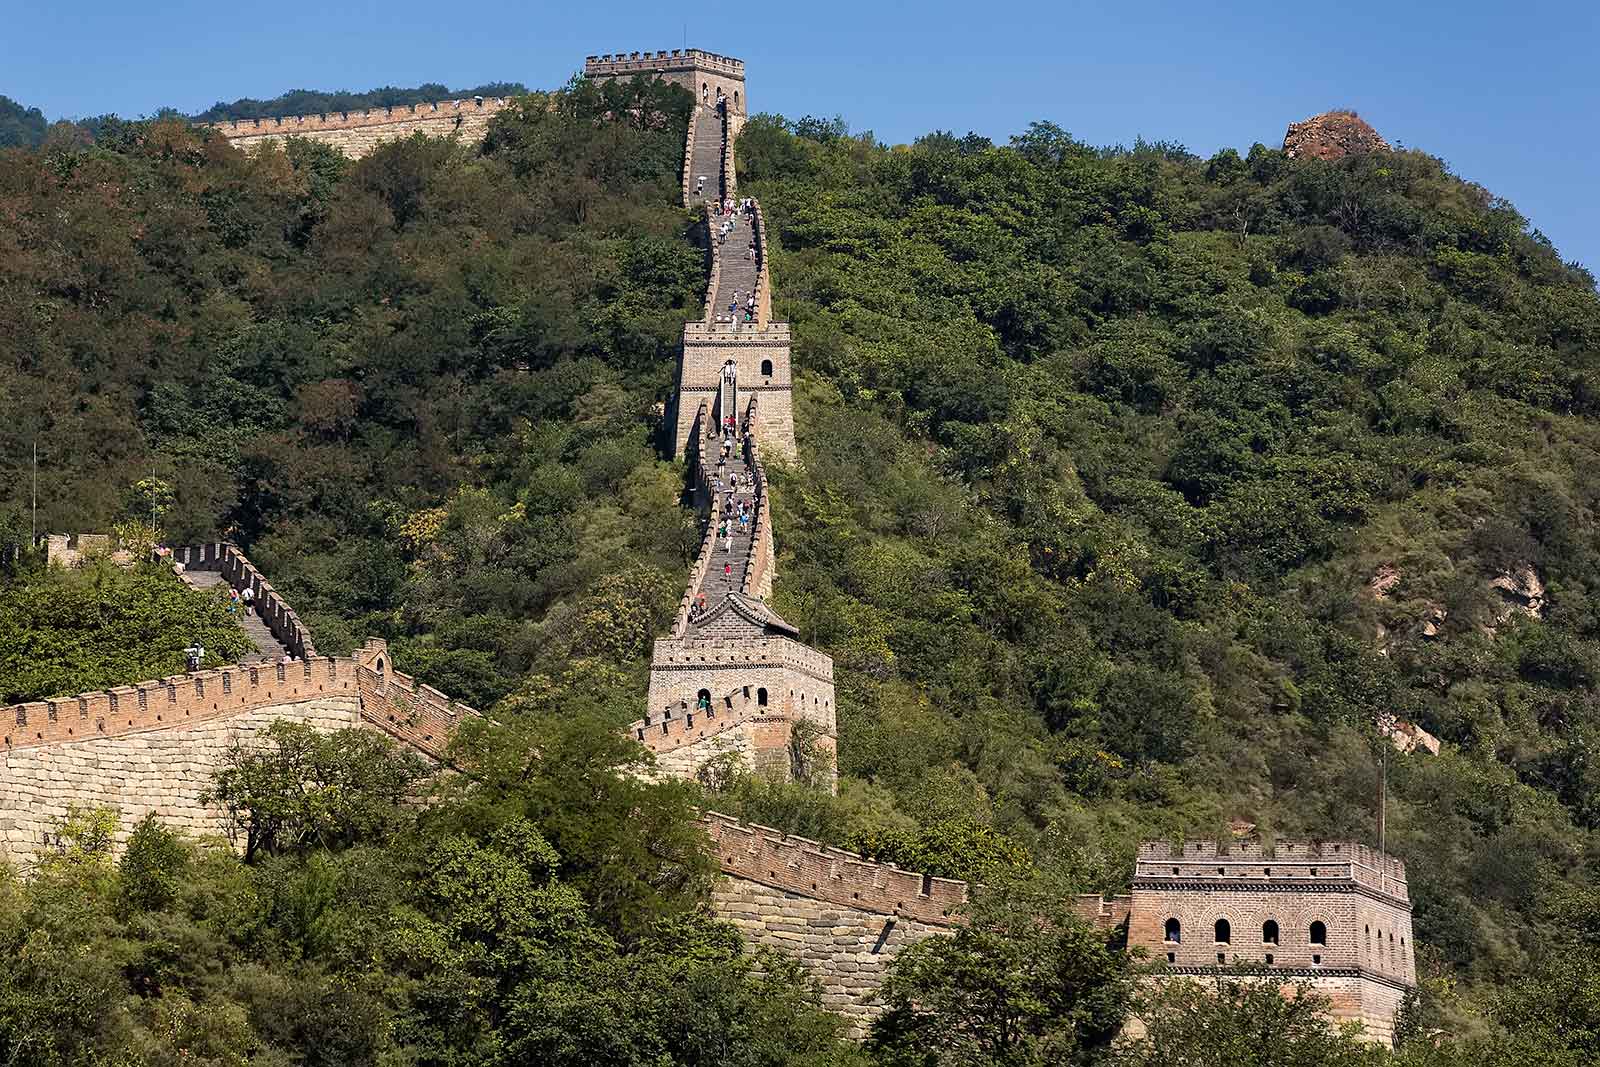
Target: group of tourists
(742, 308)
(240, 601)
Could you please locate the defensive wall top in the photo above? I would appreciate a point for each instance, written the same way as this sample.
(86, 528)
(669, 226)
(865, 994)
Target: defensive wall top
(663, 62)
(1248, 862)
(348, 120)
(810, 869)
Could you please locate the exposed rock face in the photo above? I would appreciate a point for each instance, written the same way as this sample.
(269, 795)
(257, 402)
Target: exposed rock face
(1385, 579)
(1520, 591)
(1332, 135)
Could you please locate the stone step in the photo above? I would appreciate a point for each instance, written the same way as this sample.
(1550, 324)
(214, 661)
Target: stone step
(267, 647)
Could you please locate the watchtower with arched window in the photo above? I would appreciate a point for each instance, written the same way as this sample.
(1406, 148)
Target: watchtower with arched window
(706, 75)
(1320, 912)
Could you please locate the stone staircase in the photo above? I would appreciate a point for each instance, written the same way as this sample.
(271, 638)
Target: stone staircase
(732, 554)
(705, 160)
(268, 648)
(739, 269)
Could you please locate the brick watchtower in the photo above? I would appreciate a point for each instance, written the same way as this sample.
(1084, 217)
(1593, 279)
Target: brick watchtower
(705, 74)
(1333, 914)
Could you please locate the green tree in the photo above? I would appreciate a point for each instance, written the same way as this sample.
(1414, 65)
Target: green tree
(1235, 1021)
(1022, 981)
(304, 788)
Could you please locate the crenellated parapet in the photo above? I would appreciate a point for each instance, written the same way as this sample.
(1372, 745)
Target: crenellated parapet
(300, 125)
(1286, 862)
(661, 62)
(412, 712)
(240, 574)
(764, 277)
(358, 133)
(820, 872)
(759, 564)
(174, 700)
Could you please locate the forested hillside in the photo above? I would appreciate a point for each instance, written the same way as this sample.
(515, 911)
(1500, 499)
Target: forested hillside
(1102, 452)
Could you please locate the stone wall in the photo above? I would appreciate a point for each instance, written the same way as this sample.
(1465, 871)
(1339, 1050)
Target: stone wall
(845, 949)
(841, 916)
(162, 771)
(357, 133)
(152, 747)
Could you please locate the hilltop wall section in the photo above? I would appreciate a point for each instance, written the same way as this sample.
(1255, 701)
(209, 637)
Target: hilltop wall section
(357, 133)
(842, 916)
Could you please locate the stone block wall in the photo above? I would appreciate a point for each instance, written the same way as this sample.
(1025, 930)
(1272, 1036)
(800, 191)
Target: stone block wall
(357, 133)
(847, 950)
(163, 771)
(152, 747)
(844, 918)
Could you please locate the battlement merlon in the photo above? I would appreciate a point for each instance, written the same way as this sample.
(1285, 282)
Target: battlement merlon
(676, 61)
(706, 75)
(1288, 861)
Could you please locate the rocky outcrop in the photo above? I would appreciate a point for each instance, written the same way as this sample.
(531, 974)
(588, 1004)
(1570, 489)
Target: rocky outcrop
(1332, 135)
(1520, 591)
(1383, 581)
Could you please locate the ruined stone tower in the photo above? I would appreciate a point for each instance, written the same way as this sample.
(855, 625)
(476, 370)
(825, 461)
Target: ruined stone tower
(733, 677)
(1335, 915)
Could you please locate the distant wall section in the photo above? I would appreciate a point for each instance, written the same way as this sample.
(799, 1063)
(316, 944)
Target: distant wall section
(357, 133)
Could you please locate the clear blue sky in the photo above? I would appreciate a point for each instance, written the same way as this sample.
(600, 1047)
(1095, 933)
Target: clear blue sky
(1507, 93)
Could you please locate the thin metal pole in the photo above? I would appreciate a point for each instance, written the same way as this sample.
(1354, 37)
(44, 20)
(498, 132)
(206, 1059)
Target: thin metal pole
(1383, 808)
(35, 490)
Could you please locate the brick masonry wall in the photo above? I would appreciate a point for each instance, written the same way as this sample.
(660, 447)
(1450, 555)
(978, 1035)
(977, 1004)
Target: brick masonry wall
(162, 771)
(845, 949)
(357, 133)
(166, 702)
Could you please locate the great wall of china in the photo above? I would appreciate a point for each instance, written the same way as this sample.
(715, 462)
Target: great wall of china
(731, 677)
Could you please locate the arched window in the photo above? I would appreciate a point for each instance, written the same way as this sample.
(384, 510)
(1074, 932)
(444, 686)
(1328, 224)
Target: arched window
(1224, 932)
(1174, 931)
(761, 696)
(1269, 932)
(702, 700)
(1319, 933)
(766, 368)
